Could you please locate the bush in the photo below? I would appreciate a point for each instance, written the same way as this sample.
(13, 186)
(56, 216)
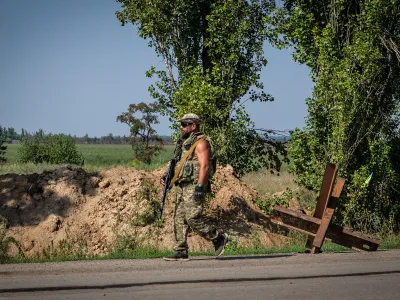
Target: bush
(52, 149)
(5, 242)
(267, 203)
(3, 149)
(365, 206)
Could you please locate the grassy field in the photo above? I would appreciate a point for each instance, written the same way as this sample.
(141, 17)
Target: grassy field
(97, 157)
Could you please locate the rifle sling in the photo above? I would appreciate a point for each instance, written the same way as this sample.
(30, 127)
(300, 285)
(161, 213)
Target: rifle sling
(183, 160)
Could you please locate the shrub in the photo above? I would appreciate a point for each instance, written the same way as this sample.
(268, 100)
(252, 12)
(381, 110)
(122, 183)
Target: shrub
(267, 203)
(5, 242)
(149, 195)
(52, 149)
(3, 149)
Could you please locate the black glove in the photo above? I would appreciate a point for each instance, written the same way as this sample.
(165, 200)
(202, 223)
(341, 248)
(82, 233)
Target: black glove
(199, 193)
(163, 179)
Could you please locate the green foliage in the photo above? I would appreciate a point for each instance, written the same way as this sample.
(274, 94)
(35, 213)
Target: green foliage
(244, 148)
(10, 133)
(127, 243)
(148, 194)
(5, 242)
(352, 48)
(268, 203)
(210, 71)
(145, 142)
(65, 250)
(51, 148)
(97, 158)
(3, 149)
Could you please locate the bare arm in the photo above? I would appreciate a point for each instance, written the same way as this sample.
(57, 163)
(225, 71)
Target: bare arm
(202, 152)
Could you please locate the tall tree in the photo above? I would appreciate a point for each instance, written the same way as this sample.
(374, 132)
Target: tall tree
(145, 141)
(12, 134)
(353, 50)
(213, 55)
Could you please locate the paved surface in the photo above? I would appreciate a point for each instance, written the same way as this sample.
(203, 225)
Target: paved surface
(374, 275)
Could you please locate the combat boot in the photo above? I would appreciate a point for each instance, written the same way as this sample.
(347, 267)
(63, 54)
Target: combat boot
(177, 255)
(220, 243)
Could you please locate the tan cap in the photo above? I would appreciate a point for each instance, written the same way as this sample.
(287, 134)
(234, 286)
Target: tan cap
(192, 117)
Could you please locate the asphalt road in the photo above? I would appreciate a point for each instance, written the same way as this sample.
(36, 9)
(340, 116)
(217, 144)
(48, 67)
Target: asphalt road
(374, 275)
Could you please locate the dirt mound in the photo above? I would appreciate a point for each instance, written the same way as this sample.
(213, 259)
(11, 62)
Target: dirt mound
(100, 211)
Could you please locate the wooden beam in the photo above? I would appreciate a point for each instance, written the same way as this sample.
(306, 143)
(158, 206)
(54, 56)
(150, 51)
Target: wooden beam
(346, 237)
(327, 216)
(328, 181)
(326, 189)
(310, 225)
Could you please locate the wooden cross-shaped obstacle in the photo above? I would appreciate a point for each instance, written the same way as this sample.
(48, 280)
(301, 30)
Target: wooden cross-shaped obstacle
(319, 226)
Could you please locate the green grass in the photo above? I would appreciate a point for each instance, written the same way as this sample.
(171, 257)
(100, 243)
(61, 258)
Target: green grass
(393, 242)
(12, 153)
(97, 157)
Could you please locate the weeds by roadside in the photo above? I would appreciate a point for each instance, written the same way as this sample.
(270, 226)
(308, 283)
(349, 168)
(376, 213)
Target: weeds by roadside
(65, 250)
(6, 242)
(295, 245)
(148, 195)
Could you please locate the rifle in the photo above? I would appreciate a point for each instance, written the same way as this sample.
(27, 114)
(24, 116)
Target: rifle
(167, 182)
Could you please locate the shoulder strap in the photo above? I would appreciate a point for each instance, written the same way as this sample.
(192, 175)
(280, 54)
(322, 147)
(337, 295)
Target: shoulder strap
(182, 161)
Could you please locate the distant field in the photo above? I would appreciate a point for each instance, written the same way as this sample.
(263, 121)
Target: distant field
(111, 155)
(100, 157)
(97, 157)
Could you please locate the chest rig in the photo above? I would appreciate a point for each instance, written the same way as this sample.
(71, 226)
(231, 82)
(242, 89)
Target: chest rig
(191, 168)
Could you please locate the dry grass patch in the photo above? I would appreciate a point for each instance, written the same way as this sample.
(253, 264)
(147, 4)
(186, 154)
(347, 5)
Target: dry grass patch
(269, 184)
(266, 183)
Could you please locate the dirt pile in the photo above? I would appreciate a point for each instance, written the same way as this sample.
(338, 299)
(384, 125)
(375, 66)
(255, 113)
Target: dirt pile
(100, 211)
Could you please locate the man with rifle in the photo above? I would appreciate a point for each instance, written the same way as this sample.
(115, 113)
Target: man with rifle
(195, 164)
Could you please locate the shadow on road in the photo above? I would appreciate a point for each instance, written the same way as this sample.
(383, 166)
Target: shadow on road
(242, 257)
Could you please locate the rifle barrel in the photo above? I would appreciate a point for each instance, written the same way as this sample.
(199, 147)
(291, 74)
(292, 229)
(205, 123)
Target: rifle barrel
(167, 182)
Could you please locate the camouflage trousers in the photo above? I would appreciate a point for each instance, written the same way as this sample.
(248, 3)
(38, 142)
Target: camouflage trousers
(189, 213)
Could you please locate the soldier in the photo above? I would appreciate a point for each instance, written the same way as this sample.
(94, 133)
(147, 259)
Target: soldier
(193, 172)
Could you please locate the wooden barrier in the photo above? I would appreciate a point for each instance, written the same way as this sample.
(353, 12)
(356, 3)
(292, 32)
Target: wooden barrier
(320, 226)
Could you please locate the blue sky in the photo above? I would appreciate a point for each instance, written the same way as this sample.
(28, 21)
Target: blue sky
(68, 66)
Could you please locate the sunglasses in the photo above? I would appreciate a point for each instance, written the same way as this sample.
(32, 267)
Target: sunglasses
(186, 124)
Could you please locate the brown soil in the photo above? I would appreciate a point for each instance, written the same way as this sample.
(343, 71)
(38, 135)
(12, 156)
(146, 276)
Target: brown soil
(99, 209)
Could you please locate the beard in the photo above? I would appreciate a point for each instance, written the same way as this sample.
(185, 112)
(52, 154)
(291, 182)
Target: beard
(186, 135)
